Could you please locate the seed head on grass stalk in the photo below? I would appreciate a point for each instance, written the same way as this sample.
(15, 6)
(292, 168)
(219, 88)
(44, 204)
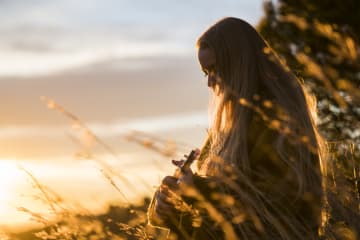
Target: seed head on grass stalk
(50, 201)
(164, 147)
(57, 206)
(55, 203)
(51, 104)
(106, 170)
(139, 232)
(167, 150)
(35, 216)
(104, 167)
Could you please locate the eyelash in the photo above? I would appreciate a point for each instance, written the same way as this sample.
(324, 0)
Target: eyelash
(210, 71)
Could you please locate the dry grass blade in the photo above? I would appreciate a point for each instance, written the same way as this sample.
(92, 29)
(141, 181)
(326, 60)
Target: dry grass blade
(106, 170)
(165, 147)
(50, 201)
(34, 216)
(112, 182)
(77, 121)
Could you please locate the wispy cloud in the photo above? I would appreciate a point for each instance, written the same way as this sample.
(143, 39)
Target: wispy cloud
(45, 36)
(151, 125)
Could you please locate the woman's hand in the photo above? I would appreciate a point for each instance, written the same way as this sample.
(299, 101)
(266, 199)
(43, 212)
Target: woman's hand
(168, 199)
(165, 199)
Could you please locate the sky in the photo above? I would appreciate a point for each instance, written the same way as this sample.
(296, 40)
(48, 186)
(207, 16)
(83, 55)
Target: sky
(118, 65)
(62, 34)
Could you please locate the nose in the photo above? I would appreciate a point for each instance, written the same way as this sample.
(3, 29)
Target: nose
(211, 80)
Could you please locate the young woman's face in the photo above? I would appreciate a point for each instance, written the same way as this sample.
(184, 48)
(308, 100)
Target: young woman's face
(207, 61)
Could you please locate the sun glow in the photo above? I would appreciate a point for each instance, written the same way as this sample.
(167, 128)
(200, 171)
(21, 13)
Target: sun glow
(10, 175)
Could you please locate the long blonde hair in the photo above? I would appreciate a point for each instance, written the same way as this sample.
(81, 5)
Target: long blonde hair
(253, 80)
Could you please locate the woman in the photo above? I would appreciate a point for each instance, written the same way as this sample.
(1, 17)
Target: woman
(259, 171)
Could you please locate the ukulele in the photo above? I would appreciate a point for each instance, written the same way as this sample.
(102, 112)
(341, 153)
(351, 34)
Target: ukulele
(189, 159)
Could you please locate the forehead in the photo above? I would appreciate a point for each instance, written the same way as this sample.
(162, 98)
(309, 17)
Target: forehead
(206, 57)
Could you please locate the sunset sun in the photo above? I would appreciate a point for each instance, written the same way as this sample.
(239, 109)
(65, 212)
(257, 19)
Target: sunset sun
(9, 177)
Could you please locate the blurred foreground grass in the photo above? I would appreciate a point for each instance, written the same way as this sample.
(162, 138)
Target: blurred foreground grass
(118, 222)
(341, 208)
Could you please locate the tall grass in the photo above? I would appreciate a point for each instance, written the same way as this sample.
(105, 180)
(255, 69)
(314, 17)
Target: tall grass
(341, 209)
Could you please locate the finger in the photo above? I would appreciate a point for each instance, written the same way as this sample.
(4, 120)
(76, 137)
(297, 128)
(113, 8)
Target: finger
(186, 178)
(163, 199)
(197, 153)
(164, 209)
(163, 206)
(170, 182)
(161, 210)
(164, 214)
(164, 193)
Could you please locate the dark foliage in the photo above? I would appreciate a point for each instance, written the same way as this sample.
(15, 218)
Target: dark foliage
(319, 41)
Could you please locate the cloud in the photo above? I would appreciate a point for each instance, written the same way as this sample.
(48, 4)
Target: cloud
(62, 34)
(150, 125)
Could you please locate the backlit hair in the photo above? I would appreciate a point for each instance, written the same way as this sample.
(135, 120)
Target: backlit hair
(252, 77)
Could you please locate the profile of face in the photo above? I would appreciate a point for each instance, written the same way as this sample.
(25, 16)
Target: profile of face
(207, 60)
(230, 53)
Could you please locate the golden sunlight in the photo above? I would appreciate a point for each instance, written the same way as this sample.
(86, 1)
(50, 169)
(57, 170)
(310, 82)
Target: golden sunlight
(9, 178)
